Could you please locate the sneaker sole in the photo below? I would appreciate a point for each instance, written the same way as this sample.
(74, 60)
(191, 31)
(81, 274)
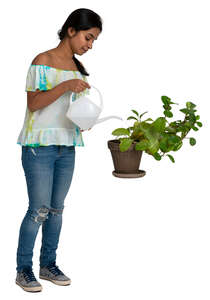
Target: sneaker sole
(63, 283)
(33, 289)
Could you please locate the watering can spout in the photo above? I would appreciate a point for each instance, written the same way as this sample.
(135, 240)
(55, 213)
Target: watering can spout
(107, 118)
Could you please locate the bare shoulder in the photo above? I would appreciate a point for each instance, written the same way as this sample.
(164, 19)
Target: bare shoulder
(41, 59)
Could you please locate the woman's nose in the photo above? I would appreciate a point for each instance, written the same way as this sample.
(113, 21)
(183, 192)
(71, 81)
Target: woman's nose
(90, 44)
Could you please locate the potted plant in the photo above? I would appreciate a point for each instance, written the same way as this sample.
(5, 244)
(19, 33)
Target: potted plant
(157, 138)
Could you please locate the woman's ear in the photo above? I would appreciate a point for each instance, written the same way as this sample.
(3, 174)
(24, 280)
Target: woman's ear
(71, 31)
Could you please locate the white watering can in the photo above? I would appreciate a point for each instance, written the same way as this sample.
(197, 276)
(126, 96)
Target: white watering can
(84, 113)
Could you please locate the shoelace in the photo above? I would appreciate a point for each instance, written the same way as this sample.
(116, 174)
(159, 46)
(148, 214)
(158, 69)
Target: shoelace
(29, 275)
(54, 269)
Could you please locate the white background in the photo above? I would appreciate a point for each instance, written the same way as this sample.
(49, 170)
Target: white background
(145, 238)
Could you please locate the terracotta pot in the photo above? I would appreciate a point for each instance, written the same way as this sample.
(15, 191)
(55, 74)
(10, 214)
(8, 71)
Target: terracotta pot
(126, 163)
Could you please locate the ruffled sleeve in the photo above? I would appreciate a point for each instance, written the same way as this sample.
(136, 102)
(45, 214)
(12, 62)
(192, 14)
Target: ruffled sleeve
(37, 78)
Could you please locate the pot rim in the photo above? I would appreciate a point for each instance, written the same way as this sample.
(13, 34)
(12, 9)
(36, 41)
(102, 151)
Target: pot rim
(118, 141)
(114, 145)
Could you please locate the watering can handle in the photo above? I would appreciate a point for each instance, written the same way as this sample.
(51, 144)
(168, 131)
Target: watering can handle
(101, 99)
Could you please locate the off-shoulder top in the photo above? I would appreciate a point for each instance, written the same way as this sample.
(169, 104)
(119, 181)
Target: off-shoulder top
(49, 125)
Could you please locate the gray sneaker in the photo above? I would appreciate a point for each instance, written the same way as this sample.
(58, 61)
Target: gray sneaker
(53, 274)
(27, 281)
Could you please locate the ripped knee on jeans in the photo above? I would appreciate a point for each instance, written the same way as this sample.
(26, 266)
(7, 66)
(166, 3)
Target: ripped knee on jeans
(56, 212)
(41, 215)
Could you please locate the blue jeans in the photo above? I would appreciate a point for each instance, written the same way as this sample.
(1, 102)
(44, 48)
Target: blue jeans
(48, 171)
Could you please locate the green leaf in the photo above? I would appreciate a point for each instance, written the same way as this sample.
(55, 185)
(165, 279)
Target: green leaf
(157, 156)
(164, 144)
(195, 128)
(142, 145)
(192, 141)
(170, 143)
(173, 139)
(182, 128)
(171, 158)
(177, 146)
(149, 119)
(135, 112)
(170, 129)
(143, 114)
(125, 144)
(120, 131)
(168, 113)
(192, 118)
(190, 105)
(165, 100)
(159, 124)
(197, 117)
(137, 133)
(151, 135)
(153, 145)
(199, 124)
(184, 110)
(144, 126)
(132, 118)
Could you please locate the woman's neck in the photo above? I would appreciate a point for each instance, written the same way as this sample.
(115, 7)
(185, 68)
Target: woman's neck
(63, 50)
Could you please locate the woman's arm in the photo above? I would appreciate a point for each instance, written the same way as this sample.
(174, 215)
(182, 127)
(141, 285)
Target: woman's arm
(39, 99)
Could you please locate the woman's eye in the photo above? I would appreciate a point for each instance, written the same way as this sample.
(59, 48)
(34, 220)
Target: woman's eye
(87, 39)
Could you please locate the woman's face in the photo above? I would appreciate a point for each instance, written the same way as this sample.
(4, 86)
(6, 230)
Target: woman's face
(83, 40)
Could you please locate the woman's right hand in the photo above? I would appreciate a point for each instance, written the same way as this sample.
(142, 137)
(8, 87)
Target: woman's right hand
(76, 85)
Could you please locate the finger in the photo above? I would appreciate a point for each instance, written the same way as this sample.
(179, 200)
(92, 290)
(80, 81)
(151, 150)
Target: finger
(85, 84)
(83, 87)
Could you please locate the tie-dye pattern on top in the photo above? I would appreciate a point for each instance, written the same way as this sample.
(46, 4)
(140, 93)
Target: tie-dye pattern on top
(49, 125)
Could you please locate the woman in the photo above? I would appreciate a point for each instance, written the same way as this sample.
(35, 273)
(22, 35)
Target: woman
(48, 139)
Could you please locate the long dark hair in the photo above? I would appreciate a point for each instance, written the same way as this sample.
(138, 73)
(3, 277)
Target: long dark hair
(80, 19)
